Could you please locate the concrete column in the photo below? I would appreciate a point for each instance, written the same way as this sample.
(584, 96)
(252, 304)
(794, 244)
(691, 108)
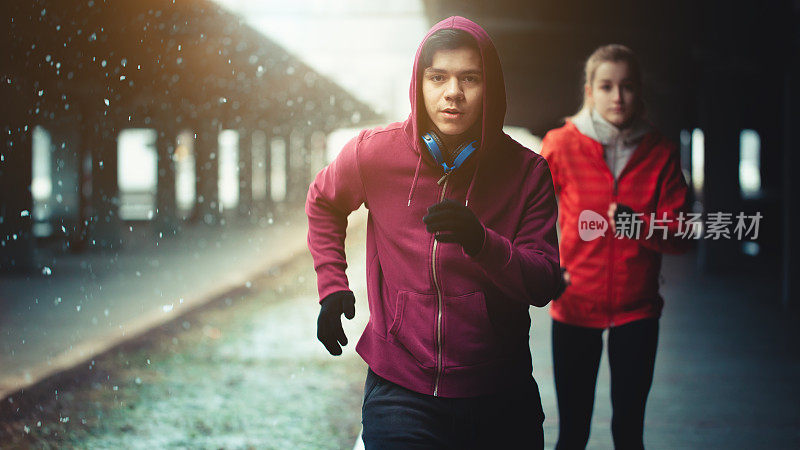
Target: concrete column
(206, 157)
(16, 201)
(245, 207)
(298, 157)
(721, 126)
(309, 164)
(318, 161)
(166, 209)
(266, 203)
(104, 226)
(260, 178)
(79, 240)
(68, 206)
(791, 212)
(291, 163)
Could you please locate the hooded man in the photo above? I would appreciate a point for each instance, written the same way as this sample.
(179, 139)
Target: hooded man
(461, 240)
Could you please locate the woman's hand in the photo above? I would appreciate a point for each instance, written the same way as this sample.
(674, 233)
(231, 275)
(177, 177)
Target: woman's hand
(565, 281)
(614, 211)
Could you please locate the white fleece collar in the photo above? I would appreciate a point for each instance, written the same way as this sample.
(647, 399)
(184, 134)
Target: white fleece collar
(602, 131)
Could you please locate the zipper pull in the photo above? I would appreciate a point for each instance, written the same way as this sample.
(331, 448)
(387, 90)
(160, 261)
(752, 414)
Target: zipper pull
(615, 188)
(444, 177)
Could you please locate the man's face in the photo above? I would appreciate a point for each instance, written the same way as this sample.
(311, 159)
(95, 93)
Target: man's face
(452, 89)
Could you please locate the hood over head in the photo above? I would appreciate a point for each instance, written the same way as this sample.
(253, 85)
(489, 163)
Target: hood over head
(494, 92)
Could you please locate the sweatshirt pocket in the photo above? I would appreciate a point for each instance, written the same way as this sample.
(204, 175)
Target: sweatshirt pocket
(469, 338)
(414, 325)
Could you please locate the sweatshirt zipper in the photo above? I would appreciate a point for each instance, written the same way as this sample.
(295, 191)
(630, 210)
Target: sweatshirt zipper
(611, 263)
(614, 195)
(613, 238)
(438, 305)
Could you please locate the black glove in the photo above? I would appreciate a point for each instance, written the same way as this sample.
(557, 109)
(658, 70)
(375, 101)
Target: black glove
(454, 222)
(562, 285)
(623, 209)
(329, 322)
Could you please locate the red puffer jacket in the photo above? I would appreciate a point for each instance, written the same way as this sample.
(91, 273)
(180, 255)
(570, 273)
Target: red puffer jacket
(613, 280)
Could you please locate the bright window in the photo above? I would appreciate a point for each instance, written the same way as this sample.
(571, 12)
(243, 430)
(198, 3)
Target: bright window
(278, 173)
(185, 173)
(749, 163)
(698, 161)
(137, 173)
(228, 182)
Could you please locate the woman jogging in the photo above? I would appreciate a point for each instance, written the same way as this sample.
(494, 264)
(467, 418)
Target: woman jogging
(621, 194)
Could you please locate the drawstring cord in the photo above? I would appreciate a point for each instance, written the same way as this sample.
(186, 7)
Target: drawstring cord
(414, 183)
(474, 177)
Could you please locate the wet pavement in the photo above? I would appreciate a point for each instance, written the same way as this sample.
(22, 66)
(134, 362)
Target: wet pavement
(727, 372)
(79, 305)
(248, 372)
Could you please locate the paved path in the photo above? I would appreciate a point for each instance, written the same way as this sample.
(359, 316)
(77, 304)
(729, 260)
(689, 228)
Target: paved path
(83, 304)
(727, 370)
(243, 371)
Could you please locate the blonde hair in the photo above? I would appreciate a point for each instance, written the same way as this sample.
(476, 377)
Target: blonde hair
(612, 53)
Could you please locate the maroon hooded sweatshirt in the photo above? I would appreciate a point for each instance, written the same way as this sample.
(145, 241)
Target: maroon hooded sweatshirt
(442, 322)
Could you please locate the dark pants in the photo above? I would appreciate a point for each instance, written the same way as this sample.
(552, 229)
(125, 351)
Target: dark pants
(397, 418)
(576, 357)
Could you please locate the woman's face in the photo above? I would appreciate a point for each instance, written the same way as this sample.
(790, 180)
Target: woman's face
(614, 93)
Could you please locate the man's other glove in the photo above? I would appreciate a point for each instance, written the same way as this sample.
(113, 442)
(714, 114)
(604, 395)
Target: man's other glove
(329, 322)
(454, 222)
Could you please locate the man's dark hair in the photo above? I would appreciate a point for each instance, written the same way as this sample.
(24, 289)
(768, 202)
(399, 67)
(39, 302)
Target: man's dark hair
(447, 39)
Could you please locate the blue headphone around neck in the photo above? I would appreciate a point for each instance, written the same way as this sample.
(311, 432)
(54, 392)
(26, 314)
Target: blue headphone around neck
(462, 152)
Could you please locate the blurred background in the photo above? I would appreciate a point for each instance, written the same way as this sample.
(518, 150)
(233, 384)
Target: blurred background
(155, 287)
